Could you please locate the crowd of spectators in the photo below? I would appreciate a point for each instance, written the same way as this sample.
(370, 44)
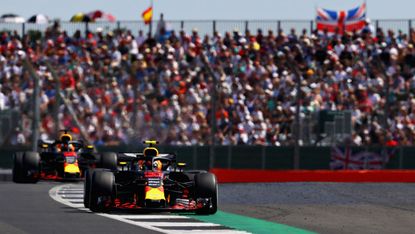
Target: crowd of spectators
(125, 88)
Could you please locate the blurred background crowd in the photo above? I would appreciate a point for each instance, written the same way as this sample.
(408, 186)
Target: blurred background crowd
(125, 87)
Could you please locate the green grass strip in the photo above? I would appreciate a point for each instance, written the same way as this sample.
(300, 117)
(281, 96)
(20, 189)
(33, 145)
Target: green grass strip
(248, 224)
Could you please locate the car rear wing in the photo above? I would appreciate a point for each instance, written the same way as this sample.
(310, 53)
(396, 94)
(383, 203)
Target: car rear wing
(134, 156)
(49, 144)
(165, 157)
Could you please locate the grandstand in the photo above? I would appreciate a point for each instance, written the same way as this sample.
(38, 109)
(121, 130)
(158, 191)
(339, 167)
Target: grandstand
(118, 85)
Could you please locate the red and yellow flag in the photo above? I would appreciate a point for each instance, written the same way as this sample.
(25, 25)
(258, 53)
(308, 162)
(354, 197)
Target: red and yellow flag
(147, 15)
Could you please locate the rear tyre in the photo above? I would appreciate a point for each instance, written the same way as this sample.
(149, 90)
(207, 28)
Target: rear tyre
(206, 187)
(87, 186)
(31, 163)
(26, 167)
(102, 191)
(191, 173)
(109, 161)
(98, 162)
(18, 169)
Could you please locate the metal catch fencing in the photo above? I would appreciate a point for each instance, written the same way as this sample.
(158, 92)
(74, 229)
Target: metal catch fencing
(204, 27)
(9, 123)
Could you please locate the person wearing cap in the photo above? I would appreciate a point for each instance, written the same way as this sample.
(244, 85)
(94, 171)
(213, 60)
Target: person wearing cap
(368, 27)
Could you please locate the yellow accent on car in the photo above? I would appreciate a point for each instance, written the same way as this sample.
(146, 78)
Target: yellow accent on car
(155, 194)
(90, 146)
(122, 163)
(44, 146)
(150, 142)
(181, 164)
(71, 168)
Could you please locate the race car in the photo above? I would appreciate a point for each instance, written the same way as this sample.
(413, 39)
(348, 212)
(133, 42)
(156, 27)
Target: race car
(150, 181)
(62, 159)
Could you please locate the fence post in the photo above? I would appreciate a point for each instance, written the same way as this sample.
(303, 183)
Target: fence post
(311, 26)
(86, 29)
(23, 29)
(376, 25)
(400, 157)
(118, 26)
(213, 107)
(409, 27)
(182, 24)
(194, 157)
(246, 25)
(214, 27)
(57, 100)
(35, 103)
(278, 26)
(229, 156)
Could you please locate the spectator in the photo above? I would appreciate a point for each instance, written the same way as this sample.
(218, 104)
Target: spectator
(104, 76)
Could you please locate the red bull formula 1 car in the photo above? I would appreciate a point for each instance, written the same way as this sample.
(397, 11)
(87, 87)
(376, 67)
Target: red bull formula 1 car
(150, 181)
(61, 159)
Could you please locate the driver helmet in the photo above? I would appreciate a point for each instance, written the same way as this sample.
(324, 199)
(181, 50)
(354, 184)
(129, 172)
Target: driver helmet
(150, 152)
(65, 138)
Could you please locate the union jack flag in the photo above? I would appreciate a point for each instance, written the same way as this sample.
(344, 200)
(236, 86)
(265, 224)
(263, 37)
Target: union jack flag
(358, 159)
(341, 21)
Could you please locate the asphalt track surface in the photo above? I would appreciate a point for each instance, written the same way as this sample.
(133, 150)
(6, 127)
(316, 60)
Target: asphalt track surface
(27, 208)
(327, 207)
(319, 207)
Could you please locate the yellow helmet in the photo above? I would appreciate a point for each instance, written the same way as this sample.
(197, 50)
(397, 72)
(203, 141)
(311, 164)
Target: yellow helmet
(150, 151)
(66, 137)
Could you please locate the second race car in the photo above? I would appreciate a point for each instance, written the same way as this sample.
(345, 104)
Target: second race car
(62, 159)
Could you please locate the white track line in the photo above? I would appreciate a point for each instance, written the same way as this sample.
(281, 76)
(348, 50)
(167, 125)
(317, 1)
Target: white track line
(210, 231)
(141, 216)
(75, 192)
(77, 195)
(75, 200)
(181, 224)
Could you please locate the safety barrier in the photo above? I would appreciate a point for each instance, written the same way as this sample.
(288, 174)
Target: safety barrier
(352, 176)
(252, 157)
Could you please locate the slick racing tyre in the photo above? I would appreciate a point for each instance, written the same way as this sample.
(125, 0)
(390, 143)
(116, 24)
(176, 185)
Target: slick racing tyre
(102, 191)
(207, 187)
(18, 171)
(109, 161)
(26, 167)
(87, 186)
(192, 173)
(31, 162)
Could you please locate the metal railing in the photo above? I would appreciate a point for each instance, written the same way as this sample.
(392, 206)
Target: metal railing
(9, 121)
(204, 26)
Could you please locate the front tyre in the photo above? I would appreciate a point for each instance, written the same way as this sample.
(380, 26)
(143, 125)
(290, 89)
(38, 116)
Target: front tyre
(87, 187)
(206, 187)
(102, 191)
